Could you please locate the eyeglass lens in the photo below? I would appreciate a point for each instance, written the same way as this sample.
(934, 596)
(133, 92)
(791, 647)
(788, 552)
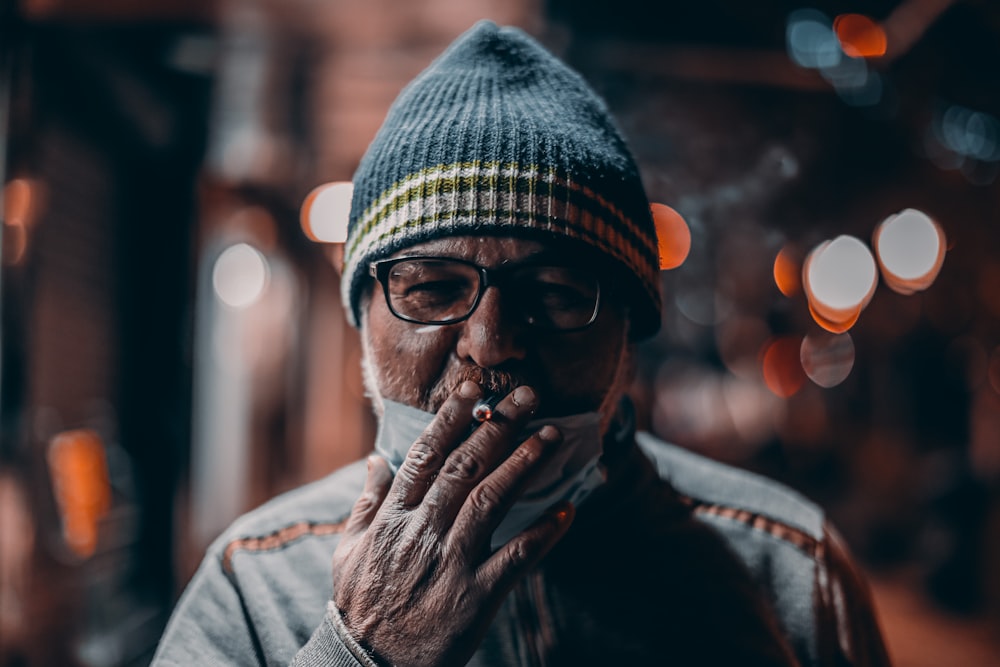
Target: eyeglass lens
(437, 291)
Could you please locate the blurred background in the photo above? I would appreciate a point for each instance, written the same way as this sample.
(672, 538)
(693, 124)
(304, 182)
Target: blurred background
(172, 345)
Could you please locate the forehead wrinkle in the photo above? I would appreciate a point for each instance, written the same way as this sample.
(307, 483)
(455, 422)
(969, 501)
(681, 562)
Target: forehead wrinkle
(477, 249)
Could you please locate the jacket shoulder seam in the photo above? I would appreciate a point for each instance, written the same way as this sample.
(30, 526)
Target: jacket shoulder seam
(779, 530)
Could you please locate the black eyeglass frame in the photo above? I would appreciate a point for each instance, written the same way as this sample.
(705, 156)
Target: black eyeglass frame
(379, 270)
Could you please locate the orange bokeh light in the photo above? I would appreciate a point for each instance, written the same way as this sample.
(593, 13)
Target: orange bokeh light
(673, 235)
(787, 270)
(838, 324)
(83, 491)
(860, 36)
(19, 201)
(781, 366)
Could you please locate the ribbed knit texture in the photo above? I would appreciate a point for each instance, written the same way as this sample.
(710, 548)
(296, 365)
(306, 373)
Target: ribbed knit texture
(498, 137)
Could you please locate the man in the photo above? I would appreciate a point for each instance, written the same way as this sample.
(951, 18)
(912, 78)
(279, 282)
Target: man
(501, 261)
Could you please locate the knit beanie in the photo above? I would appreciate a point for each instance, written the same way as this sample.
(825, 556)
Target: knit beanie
(498, 137)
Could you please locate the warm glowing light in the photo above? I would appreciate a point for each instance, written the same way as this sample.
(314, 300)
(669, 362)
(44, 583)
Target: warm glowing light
(83, 492)
(839, 278)
(827, 360)
(15, 242)
(20, 205)
(673, 234)
(910, 247)
(19, 201)
(240, 275)
(860, 36)
(326, 212)
(787, 270)
(781, 366)
(838, 325)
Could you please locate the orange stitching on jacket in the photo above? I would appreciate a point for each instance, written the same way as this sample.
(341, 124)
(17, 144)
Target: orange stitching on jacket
(278, 539)
(794, 536)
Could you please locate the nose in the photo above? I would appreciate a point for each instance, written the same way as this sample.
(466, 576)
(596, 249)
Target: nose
(490, 336)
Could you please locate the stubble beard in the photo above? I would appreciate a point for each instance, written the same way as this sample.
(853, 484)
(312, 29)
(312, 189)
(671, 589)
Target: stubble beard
(493, 382)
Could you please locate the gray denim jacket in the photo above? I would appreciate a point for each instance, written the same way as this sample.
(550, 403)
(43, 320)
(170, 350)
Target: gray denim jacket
(679, 560)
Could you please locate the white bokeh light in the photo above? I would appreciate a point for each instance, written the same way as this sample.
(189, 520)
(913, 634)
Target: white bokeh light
(240, 275)
(810, 40)
(910, 248)
(840, 274)
(327, 211)
(827, 359)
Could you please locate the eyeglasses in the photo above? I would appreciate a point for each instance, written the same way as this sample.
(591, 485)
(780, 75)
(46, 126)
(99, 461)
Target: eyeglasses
(444, 290)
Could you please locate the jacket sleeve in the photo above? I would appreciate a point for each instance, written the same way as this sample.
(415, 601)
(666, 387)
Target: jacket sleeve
(210, 626)
(847, 622)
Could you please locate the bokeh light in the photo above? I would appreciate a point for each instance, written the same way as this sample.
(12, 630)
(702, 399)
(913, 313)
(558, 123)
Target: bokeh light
(810, 40)
(910, 247)
(968, 133)
(837, 325)
(781, 366)
(240, 275)
(860, 36)
(326, 211)
(82, 488)
(19, 200)
(839, 278)
(827, 359)
(673, 235)
(20, 207)
(787, 271)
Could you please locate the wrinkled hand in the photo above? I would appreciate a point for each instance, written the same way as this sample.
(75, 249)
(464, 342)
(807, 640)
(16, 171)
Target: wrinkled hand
(414, 578)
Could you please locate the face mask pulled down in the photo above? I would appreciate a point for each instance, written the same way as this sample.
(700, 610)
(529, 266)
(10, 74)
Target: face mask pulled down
(572, 474)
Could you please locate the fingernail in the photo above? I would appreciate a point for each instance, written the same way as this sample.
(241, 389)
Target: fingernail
(469, 389)
(549, 433)
(523, 396)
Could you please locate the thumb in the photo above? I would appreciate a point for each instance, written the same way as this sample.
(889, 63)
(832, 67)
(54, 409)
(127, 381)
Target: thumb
(376, 488)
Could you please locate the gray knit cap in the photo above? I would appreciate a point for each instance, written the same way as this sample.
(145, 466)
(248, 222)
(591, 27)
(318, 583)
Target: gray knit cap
(498, 137)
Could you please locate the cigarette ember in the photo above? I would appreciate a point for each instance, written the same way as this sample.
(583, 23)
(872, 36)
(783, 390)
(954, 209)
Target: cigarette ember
(483, 410)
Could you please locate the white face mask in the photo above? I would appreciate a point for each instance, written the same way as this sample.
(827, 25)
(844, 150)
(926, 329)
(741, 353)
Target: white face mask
(571, 475)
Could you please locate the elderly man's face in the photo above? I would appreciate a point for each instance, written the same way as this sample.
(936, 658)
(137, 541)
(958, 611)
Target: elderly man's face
(420, 364)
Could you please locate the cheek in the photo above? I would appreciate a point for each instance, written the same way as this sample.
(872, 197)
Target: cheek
(582, 369)
(406, 358)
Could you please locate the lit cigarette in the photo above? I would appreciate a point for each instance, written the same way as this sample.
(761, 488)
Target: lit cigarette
(483, 410)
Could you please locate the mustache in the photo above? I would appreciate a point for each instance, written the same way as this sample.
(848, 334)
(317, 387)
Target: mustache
(494, 381)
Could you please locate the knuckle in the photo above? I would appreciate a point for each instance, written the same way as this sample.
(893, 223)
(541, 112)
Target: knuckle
(423, 457)
(366, 502)
(485, 500)
(524, 456)
(449, 417)
(463, 464)
(519, 553)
